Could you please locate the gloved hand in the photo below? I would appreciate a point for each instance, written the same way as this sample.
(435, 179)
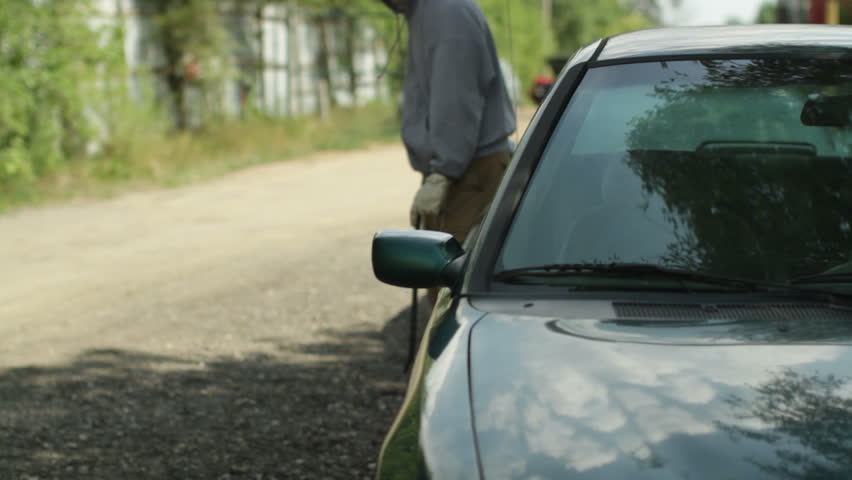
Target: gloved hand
(430, 198)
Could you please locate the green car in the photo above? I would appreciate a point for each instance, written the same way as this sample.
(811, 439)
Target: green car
(662, 287)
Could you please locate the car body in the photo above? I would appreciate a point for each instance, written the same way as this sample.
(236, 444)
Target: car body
(661, 288)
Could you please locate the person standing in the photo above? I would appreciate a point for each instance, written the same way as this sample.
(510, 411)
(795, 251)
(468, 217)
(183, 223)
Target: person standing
(457, 114)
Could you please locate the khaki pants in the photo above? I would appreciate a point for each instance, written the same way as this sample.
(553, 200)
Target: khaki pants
(468, 199)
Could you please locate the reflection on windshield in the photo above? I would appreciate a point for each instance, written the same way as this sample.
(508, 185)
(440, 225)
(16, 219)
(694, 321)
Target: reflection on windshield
(697, 165)
(774, 217)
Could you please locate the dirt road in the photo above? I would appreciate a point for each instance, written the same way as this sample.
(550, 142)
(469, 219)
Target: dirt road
(226, 330)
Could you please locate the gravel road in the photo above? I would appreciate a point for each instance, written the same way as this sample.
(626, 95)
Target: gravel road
(228, 330)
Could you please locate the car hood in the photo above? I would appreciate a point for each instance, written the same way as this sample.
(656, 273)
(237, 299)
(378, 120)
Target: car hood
(597, 399)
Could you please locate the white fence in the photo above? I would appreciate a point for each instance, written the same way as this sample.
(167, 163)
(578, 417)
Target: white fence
(281, 65)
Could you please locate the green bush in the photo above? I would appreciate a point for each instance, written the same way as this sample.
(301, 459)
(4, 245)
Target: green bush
(521, 35)
(49, 56)
(578, 23)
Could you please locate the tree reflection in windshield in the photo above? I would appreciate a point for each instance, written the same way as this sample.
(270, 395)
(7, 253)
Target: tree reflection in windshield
(761, 195)
(814, 412)
(702, 165)
(774, 218)
(775, 72)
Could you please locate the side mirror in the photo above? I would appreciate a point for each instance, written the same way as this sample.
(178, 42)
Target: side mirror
(417, 258)
(828, 111)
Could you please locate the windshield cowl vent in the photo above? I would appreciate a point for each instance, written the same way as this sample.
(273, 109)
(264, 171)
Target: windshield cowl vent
(756, 311)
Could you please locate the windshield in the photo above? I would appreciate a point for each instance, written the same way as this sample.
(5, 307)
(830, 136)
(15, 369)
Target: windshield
(740, 168)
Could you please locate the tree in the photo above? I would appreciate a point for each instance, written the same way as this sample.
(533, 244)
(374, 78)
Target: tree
(578, 23)
(809, 417)
(49, 56)
(520, 36)
(768, 13)
(192, 38)
(515, 24)
(780, 208)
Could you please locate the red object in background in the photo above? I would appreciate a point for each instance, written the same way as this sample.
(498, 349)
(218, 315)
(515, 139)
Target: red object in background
(830, 12)
(816, 14)
(192, 70)
(544, 80)
(541, 86)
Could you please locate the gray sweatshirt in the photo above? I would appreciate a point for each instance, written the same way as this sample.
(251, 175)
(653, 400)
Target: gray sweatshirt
(456, 106)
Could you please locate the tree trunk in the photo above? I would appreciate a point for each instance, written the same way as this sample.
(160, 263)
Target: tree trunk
(324, 61)
(351, 51)
(176, 83)
(172, 70)
(298, 65)
(260, 62)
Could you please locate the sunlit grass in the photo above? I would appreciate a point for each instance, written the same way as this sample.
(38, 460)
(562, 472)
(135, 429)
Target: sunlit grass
(146, 161)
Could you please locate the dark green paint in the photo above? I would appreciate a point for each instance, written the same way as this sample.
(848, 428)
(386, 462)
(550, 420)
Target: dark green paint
(432, 436)
(592, 399)
(415, 258)
(539, 383)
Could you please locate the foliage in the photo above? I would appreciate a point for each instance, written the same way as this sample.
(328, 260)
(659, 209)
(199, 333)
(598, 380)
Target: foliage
(48, 54)
(193, 41)
(520, 36)
(766, 200)
(805, 418)
(768, 13)
(516, 25)
(64, 94)
(578, 23)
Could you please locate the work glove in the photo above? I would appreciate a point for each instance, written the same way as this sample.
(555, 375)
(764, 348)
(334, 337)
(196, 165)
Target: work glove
(430, 198)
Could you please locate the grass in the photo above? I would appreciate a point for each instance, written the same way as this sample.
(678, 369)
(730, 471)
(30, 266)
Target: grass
(146, 161)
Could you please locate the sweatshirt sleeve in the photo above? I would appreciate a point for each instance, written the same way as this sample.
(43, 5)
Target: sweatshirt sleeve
(460, 75)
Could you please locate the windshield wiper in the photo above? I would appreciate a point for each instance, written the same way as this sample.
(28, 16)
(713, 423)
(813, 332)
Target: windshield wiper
(626, 270)
(823, 278)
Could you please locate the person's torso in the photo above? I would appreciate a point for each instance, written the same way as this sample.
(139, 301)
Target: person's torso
(497, 116)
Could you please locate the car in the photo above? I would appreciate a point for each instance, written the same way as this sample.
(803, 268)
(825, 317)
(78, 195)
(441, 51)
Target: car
(662, 286)
(543, 83)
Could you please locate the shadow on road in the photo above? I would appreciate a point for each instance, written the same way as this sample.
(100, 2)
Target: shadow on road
(111, 414)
